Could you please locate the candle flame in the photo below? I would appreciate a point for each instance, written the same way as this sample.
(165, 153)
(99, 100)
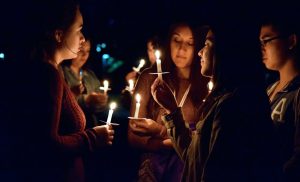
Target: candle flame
(131, 84)
(138, 98)
(157, 54)
(142, 63)
(113, 105)
(210, 85)
(106, 84)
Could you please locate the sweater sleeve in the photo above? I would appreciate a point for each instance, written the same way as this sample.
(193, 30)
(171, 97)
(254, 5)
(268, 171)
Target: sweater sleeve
(74, 140)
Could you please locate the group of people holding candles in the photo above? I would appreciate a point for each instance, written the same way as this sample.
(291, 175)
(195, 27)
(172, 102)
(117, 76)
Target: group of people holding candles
(237, 130)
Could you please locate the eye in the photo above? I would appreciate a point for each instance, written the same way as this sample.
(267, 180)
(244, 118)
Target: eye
(191, 43)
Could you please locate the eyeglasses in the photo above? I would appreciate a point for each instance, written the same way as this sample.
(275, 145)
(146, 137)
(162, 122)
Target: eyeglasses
(264, 42)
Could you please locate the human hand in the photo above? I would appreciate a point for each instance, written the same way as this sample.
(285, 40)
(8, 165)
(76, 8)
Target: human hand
(105, 134)
(78, 89)
(131, 76)
(163, 95)
(145, 127)
(96, 101)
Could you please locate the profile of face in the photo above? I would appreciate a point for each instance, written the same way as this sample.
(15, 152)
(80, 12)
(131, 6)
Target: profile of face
(151, 52)
(207, 55)
(83, 55)
(182, 46)
(71, 39)
(274, 47)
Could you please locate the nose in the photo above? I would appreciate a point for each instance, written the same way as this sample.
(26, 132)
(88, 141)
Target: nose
(183, 46)
(200, 53)
(82, 38)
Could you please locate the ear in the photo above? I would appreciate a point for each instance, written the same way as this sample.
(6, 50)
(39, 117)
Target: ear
(293, 40)
(58, 36)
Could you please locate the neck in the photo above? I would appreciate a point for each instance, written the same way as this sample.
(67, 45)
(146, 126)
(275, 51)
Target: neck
(75, 69)
(288, 72)
(183, 73)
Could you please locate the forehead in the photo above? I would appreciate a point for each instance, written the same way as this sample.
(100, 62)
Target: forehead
(210, 35)
(183, 31)
(78, 21)
(268, 30)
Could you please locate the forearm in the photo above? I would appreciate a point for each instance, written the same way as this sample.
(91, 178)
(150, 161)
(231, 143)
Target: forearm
(178, 133)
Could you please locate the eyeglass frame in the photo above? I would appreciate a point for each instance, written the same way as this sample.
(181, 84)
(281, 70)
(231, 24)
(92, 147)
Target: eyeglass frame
(264, 42)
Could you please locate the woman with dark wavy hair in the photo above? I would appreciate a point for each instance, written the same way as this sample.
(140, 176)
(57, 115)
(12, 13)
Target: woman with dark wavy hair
(159, 160)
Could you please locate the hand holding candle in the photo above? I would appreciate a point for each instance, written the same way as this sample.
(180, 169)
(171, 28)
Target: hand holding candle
(158, 64)
(137, 105)
(112, 106)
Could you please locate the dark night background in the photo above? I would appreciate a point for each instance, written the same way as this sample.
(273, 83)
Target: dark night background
(124, 27)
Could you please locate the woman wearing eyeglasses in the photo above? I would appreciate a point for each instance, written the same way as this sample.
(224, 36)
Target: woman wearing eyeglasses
(279, 44)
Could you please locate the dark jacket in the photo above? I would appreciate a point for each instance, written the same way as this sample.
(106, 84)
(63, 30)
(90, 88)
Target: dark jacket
(232, 142)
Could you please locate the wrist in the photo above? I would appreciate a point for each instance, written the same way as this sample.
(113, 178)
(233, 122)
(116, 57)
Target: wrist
(170, 116)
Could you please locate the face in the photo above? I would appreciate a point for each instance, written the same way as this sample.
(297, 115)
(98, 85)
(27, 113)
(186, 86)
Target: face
(73, 38)
(207, 55)
(151, 52)
(83, 55)
(274, 48)
(182, 47)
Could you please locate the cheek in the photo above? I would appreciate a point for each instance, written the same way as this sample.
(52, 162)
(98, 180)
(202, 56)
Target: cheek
(173, 51)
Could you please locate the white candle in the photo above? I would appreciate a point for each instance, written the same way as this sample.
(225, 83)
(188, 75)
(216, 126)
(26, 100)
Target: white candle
(137, 105)
(158, 64)
(80, 76)
(142, 63)
(210, 86)
(112, 106)
(131, 85)
(105, 86)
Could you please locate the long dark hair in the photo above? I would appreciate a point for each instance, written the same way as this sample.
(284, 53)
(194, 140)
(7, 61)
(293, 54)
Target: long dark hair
(47, 17)
(198, 82)
(237, 56)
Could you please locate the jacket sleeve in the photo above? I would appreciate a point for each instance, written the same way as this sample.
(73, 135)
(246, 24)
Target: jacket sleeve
(292, 166)
(178, 133)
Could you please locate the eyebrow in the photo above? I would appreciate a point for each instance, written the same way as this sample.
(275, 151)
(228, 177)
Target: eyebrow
(191, 38)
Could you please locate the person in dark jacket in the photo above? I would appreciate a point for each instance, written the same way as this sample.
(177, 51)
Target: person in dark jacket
(279, 39)
(233, 140)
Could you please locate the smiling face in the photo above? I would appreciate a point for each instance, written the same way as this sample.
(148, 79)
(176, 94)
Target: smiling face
(182, 47)
(207, 55)
(274, 47)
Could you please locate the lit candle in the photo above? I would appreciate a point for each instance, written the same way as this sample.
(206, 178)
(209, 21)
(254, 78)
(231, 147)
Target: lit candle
(158, 64)
(105, 86)
(210, 86)
(112, 106)
(131, 85)
(80, 76)
(137, 105)
(141, 64)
